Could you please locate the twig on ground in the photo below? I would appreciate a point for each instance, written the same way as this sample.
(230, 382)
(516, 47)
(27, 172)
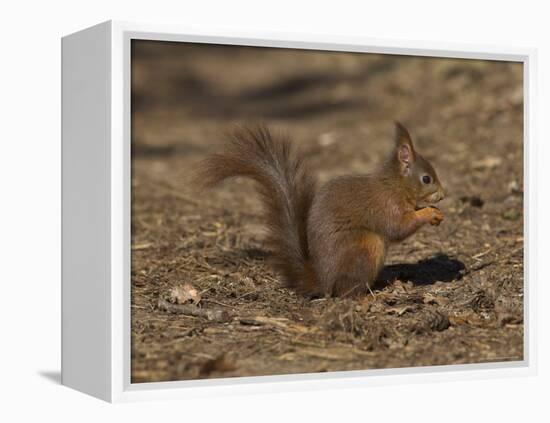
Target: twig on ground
(281, 324)
(218, 303)
(213, 315)
(483, 253)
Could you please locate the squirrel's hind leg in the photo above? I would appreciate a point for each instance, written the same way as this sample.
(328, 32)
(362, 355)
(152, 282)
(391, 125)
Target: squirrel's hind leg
(359, 265)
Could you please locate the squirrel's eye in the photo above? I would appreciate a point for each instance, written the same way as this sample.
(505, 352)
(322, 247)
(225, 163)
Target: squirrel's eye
(427, 179)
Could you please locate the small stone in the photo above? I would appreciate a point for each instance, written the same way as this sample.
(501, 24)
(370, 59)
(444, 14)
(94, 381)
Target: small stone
(327, 139)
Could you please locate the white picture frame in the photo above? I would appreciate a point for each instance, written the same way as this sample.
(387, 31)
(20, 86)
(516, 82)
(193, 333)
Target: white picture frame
(96, 213)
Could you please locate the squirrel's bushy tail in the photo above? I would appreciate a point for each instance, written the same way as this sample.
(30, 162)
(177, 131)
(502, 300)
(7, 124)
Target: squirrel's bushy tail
(286, 189)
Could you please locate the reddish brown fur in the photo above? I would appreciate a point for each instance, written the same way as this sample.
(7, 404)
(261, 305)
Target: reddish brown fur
(333, 241)
(286, 189)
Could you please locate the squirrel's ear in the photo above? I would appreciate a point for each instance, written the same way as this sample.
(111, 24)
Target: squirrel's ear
(404, 149)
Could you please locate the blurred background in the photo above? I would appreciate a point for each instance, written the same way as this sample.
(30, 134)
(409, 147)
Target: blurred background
(185, 96)
(465, 116)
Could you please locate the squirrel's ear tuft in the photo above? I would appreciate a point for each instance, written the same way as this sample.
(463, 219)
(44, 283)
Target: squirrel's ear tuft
(402, 135)
(403, 146)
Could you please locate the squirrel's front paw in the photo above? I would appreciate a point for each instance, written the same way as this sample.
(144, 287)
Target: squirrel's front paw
(435, 217)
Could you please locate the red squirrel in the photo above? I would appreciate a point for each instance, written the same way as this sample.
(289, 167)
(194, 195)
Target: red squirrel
(332, 240)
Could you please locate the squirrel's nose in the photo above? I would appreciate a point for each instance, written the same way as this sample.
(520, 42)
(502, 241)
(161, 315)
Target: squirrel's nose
(442, 193)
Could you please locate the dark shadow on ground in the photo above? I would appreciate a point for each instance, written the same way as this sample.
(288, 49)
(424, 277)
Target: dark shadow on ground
(440, 268)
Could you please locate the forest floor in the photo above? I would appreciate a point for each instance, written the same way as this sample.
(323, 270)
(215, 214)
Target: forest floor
(449, 295)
